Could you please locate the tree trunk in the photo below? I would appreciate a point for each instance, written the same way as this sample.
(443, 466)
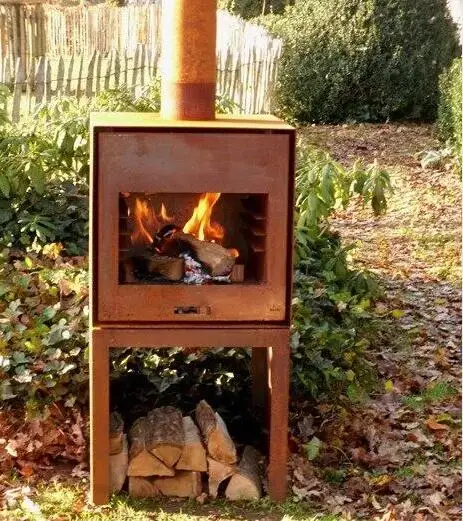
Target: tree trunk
(183, 484)
(216, 258)
(141, 461)
(142, 487)
(116, 430)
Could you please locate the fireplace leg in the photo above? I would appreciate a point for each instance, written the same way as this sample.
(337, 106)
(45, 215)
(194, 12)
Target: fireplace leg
(259, 375)
(99, 426)
(278, 379)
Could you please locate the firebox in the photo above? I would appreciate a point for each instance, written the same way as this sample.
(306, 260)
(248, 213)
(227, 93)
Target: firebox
(192, 221)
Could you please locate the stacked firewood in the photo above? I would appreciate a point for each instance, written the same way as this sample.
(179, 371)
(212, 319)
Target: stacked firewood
(171, 455)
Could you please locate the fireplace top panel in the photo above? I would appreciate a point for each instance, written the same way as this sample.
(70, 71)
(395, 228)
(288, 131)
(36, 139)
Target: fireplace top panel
(138, 159)
(229, 122)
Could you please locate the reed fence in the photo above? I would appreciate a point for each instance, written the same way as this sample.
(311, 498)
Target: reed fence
(79, 51)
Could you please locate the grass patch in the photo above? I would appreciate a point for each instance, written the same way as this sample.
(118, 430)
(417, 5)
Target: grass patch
(436, 393)
(57, 502)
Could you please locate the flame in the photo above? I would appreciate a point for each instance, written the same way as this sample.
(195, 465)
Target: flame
(144, 221)
(200, 224)
(163, 214)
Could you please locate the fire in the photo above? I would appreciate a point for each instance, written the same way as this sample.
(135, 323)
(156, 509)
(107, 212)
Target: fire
(163, 214)
(145, 222)
(200, 224)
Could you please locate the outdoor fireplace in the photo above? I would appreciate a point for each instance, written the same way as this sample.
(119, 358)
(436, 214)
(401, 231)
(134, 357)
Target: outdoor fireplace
(193, 221)
(191, 227)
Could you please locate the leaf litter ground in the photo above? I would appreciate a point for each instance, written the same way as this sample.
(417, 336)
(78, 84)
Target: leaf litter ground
(395, 455)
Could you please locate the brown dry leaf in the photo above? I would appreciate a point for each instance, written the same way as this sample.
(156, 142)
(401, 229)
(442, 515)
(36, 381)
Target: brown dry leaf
(434, 425)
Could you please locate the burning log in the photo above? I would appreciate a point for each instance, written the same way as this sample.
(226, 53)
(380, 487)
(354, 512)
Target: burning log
(118, 464)
(116, 428)
(141, 461)
(193, 456)
(217, 259)
(237, 273)
(246, 483)
(166, 438)
(171, 268)
(184, 484)
(218, 473)
(219, 444)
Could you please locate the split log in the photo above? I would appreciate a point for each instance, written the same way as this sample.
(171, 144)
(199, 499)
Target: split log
(219, 444)
(142, 487)
(116, 431)
(246, 483)
(118, 464)
(193, 455)
(217, 259)
(166, 438)
(141, 461)
(237, 273)
(217, 473)
(171, 268)
(184, 484)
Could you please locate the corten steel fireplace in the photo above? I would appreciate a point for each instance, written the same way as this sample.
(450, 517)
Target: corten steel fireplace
(191, 237)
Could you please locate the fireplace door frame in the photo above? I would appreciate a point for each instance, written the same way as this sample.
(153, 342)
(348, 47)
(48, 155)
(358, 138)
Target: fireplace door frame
(179, 157)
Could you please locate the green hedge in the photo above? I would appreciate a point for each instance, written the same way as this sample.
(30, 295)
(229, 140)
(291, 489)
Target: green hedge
(449, 112)
(252, 8)
(369, 60)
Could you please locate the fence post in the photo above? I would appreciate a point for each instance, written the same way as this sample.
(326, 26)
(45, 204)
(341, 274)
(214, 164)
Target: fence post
(17, 92)
(39, 81)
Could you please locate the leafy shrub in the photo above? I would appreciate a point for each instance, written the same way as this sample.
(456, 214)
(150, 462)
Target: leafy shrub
(252, 8)
(331, 300)
(369, 60)
(449, 110)
(43, 329)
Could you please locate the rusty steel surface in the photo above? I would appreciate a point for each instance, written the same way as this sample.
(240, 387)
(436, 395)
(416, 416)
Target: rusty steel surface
(178, 160)
(188, 76)
(272, 341)
(144, 153)
(150, 120)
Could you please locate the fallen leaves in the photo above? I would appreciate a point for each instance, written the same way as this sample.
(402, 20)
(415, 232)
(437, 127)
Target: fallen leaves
(399, 452)
(36, 444)
(433, 425)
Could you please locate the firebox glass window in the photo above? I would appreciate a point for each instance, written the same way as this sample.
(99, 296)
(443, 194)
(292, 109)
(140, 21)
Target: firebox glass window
(192, 238)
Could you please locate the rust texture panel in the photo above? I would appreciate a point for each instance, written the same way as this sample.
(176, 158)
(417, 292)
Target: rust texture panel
(189, 60)
(226, 162)
(278, 378)
(99, 424)
(191, 336)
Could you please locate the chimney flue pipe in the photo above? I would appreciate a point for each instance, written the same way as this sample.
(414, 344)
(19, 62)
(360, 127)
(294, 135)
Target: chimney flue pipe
(188, 75)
